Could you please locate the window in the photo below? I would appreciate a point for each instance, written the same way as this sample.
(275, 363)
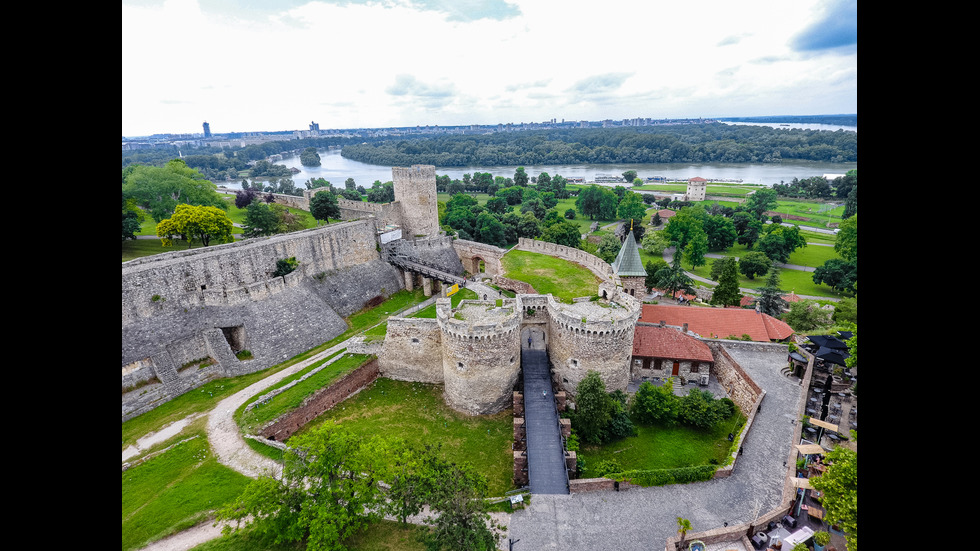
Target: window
(694, 367)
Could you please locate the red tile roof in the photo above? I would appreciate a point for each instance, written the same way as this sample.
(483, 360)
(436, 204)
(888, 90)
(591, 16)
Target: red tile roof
(668, 342)
(719, 322)
(697, 179)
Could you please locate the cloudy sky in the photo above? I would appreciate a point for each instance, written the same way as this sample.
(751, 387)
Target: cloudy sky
(261, 65)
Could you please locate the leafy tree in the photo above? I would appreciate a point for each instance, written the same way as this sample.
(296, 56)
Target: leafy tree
(852, 349)
(562, 233)
(747, 228)
(655, 404)
(846, 243)
(593, 408)
(535, 206)
(381, 193)
(520, 177)
(840, 275)
(845, 311)
(780, 242)
(350, 184)
(720, 231)
(696, 249)
(158, 190)
(261, 220)
(770, 300)
(351, 195)
(673, 279)
(754, 263)
(528, 226)
(685, 225)
(596, 201)
(630, 175)
(649, 199)
(637, 182)
(696, 409)
(759, 202)
(285, 266)
(655, 243)
(132, 218)
(718, 266)
(652, 267)
(314, 183)
(461, 521)
(326, 494)
(839, 487)
(632, 209)
(806, 315)
(608, 247)
(201, 223)
(620, 425)
(245, 197)
(324, 206)
(570, 214)
(489, 230)
(727, 292)
(496, 205)
(544, 181)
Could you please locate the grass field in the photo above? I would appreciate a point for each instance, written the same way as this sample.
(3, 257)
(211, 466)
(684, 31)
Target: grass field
(657, 447)
(417, 412)
(547, 274)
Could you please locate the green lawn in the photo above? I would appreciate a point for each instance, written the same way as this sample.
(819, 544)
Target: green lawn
(384, 535)
(417, 412)
(430, 310)
(547, 274)
(175, 491)
(658, 447)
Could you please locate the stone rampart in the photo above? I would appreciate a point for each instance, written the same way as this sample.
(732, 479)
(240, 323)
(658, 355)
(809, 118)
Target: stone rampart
(415, 190)
(219, 301)
(481, 353)
(471, 253)
(324, 399)
(412, 350)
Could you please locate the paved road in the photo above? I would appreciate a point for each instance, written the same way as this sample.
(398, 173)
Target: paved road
(643, 519)
(545, 453)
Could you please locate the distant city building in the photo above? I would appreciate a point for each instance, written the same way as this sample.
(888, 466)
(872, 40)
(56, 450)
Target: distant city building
(207, 130)
(314, 126)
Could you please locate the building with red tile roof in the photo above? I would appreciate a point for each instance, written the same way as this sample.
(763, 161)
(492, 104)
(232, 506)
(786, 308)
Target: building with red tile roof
(719, 323)
(661, 351)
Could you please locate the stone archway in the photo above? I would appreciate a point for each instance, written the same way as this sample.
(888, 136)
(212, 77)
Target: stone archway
(538, 336)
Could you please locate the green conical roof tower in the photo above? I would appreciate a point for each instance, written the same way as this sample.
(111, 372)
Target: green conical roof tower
(628, 263)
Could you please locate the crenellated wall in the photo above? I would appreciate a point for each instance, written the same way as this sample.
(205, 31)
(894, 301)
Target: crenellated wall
(481, 353)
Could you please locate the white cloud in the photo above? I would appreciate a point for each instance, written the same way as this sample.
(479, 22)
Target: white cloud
(340, 63)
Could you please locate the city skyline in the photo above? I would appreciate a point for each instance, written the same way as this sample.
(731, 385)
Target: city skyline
(264, 66)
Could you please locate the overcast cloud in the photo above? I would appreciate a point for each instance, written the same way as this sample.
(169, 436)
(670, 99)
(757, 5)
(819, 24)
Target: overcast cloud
(259, 65)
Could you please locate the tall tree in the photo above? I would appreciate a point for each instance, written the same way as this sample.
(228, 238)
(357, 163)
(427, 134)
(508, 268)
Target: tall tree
(727, 292)
(196, 223)
(630, 176)
(754, 263)
(673, 279)
(326, 494)
(839, 487)
(132, 218)
(457, 499)
(846, 243)
(520, 177)
(158, 190)
(261, 220)
(593, 408)
(759, 202)
(770, 300)
(323, 206)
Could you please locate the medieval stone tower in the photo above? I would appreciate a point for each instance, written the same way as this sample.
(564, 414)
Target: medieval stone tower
(415, 191)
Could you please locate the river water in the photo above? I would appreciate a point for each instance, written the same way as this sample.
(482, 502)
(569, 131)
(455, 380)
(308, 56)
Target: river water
(336, 169)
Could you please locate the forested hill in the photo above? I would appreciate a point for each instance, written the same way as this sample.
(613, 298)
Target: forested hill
(693, 143)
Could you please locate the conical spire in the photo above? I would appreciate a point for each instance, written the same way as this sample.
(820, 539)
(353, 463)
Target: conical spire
(628, 262)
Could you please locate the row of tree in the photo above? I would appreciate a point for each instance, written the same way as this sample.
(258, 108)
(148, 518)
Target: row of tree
(335, 483)
(694, 143)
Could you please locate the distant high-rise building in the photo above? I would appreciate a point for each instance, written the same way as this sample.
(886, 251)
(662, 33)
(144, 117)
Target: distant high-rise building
(314, 126)
(207, 130)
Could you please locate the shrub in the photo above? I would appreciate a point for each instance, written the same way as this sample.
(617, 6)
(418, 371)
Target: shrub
(285, 266)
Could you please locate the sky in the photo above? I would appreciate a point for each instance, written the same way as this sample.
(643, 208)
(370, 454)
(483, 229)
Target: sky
(264, 65)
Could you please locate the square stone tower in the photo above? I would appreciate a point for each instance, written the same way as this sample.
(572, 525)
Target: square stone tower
(415, 191)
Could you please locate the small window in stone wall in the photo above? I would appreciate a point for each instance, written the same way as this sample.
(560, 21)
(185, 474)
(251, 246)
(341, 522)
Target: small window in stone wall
(459, 366)
(414, 340)
(694, 367)
(574, 362)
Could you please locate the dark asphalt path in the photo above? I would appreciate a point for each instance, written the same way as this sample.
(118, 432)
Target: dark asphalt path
(545, 454)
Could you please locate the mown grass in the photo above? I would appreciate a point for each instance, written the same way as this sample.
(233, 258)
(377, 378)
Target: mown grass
(430, 310)
(174, 491)
(659, 447)
(252, 420)
(547, 274)
(418, 413)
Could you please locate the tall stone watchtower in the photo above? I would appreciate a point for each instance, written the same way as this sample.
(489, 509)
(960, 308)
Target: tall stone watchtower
(415, 190)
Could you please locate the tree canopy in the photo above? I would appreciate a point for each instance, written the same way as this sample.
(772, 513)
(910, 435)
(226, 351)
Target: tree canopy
(196, 223)
(839, 486)
(158, 190)
(324, 206)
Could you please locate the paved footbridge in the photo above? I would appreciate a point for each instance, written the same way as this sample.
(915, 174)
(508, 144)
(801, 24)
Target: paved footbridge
(545, 453)
(400, 258)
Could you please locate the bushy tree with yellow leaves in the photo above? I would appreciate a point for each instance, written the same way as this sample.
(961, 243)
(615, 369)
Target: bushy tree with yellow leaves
(192, 223)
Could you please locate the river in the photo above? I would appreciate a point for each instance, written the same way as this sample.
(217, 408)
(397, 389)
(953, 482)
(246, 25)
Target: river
(336, 169)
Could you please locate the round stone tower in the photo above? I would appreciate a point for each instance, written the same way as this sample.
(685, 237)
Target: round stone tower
(481, 353)
(415, 191)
